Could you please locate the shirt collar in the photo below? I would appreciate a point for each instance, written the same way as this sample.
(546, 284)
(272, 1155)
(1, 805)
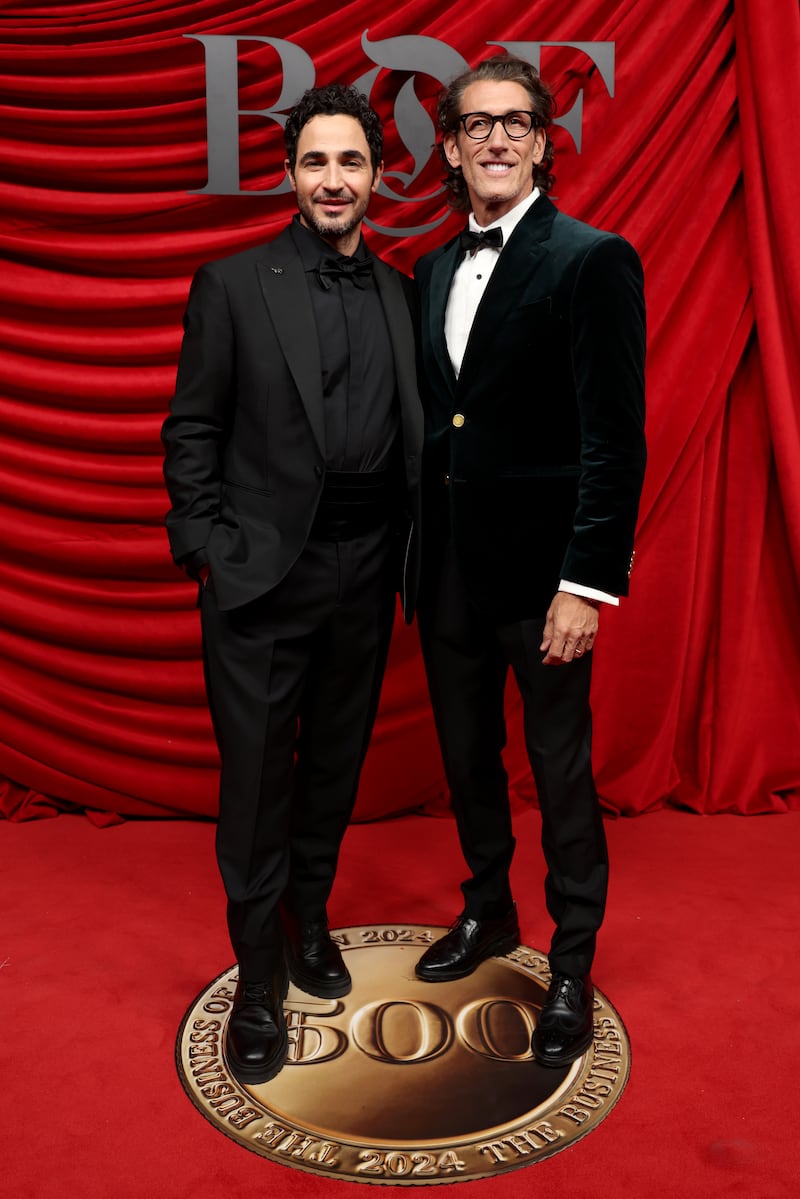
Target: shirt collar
(312, 248)
(509, 222)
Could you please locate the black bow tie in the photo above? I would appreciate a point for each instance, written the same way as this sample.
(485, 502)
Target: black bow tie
(473, 241)
(344, 268)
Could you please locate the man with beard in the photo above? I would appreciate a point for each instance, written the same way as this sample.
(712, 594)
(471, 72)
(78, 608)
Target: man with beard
(292, 456)
(533, 345)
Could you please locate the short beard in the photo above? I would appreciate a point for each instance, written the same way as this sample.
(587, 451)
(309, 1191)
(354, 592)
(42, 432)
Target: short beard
(329, 228)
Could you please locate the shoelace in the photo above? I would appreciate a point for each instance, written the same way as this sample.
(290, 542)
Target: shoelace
(563, 987)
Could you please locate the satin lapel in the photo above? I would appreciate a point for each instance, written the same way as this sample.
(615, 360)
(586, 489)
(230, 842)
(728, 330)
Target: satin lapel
(517, 279)
(440, 282)
(401, 333)
(285, 290)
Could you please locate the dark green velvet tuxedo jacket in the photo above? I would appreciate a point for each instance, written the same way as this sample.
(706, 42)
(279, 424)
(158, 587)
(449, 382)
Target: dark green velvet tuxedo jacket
(546, 469)
(245, 439)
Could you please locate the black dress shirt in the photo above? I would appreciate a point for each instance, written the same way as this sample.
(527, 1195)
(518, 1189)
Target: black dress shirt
(358, 376)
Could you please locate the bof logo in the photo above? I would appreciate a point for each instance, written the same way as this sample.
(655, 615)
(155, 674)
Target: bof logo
(409, 56)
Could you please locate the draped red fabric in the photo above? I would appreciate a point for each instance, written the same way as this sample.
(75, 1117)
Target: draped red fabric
(688, 151)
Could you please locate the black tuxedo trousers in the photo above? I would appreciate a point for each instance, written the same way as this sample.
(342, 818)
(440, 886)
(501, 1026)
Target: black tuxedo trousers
(467, 656)
(293, 681)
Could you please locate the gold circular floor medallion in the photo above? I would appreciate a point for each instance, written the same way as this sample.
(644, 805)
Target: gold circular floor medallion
(407, 1082)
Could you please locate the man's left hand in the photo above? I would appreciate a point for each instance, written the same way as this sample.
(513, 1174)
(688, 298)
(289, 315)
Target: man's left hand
(570, 628)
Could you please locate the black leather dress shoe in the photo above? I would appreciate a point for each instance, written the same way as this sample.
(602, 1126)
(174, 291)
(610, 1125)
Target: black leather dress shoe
(564, 1028)
(256, 1037)
(468, 943)
(315, 961)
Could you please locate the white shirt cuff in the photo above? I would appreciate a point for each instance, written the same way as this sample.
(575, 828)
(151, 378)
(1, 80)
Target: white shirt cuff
(589, 592)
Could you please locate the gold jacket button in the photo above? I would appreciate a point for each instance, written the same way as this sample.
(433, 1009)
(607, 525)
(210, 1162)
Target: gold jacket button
(458, 420)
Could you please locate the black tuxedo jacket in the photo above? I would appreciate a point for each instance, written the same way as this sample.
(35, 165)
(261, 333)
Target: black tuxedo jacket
(245, 438)
(545, 468)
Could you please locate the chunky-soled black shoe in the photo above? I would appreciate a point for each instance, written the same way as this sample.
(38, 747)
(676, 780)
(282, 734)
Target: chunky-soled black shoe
(468, 943)
(316, 965)
(564, 1029)
(256, 1037)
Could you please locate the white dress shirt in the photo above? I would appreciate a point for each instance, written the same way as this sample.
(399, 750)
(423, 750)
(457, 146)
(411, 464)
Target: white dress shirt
(466, 293)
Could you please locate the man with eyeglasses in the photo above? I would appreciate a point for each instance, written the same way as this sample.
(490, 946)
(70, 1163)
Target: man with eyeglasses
(533, 347)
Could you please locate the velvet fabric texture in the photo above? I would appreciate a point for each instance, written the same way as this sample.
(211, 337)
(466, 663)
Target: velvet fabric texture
(544, 472)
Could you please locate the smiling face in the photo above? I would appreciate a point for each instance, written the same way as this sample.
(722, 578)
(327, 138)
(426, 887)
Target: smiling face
(499, 171)
(333, 179)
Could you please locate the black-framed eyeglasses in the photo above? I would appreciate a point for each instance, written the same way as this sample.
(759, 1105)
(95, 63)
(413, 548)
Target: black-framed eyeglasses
(479, 125)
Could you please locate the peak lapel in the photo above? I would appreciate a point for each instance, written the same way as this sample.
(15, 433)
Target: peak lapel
(285, 290)
(514, 280)
(441, 280)
(401, 334)
(398, 318)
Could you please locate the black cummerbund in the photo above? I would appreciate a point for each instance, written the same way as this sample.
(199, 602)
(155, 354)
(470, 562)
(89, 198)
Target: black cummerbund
(352, 503)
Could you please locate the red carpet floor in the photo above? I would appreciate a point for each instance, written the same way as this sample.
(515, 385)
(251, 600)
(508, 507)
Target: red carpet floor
(107, 936)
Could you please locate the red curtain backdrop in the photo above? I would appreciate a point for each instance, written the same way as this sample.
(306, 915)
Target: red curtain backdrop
(103, 144)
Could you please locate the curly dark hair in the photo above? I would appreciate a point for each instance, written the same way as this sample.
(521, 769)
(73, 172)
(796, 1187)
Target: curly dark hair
(330, 101)
(501, 68)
